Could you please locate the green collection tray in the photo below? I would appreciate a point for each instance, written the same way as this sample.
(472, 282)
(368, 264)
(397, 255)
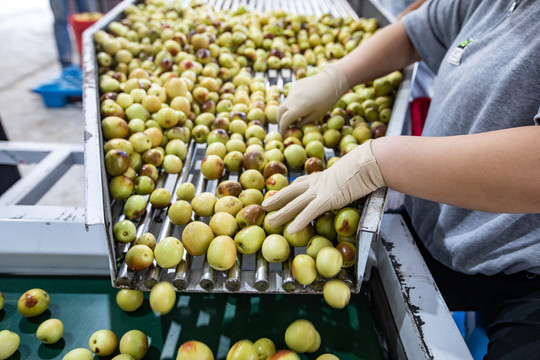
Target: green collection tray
(88, 304)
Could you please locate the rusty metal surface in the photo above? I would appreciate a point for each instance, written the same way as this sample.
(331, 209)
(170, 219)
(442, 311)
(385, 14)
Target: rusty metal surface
(420, 315)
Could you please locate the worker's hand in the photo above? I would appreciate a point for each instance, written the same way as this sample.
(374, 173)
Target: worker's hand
(311, 97)
(350, 178)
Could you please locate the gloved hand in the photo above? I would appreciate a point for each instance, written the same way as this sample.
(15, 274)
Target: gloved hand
(311, 97)
(353, 176)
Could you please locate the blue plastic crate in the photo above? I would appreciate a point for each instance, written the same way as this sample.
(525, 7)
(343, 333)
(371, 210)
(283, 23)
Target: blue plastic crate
(57, 92)
(471, 326)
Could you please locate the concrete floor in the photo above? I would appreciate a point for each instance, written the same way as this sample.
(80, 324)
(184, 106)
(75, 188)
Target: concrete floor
(28, 60)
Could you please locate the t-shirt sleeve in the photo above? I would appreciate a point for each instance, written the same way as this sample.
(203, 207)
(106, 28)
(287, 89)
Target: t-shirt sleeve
(434, 26)
(537, 118)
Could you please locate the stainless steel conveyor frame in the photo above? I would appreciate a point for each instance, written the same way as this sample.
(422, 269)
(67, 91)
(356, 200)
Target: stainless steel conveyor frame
(252, 273)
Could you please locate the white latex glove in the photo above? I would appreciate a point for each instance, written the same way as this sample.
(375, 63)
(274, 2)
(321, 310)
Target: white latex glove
(311, 97)
(353, 176)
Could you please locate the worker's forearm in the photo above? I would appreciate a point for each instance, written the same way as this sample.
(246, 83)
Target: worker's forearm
(496, 171)
(387, 50)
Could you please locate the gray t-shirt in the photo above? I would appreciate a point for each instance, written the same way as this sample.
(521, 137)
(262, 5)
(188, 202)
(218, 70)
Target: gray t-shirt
(494, 84)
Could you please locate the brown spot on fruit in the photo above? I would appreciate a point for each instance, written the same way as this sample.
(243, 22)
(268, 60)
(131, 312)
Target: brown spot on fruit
(30, 301)
(345, 226)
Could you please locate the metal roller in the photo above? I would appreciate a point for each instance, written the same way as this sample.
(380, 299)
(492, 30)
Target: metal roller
(207, 281)
(261, 273)
(233, 276)
(288, 283)
(181, 276)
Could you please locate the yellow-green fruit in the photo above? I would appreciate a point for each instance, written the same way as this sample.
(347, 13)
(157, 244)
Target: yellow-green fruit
(336, 293)
(265, 347)
(221, 253)
(169, 252)
(243, 350)
(315, 244)
(79, 354)
(329, 261)
(2, 300)
(300, 335)
(299, 238)
(103, 342)
(162, 298)
(196, 237)
(327, 357)
(346, 221)
(123, 357)
(194, 350)
(50, 331)
(304, 269)
(317, 343)
(129, 300)
(34, 302)
(186, 191)
(180, 212)
(134, 343)
(285, 355)
(9, 343)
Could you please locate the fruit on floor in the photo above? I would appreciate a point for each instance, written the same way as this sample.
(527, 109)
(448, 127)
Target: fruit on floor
(243, 350)
(194, 350)
(134, 343)
(103, 342)
(285, 355)
(162, 298)
(317, 344)
(129, 300)
(123, 357)
(265, 347)
(33, 302)
(300, 335)
(9, 343)
(327, 357)
(79, 354)
(50, 331)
